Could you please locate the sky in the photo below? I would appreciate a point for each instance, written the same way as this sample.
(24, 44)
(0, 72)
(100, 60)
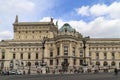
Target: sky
(94, 18)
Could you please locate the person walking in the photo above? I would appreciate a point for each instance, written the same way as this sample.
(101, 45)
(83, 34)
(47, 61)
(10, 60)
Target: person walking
(116, 71)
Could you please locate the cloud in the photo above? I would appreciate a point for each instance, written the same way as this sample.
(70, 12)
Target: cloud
(98, 28)
(27, 10)
(16, 6)
(5, 35)
(111, 11)
(84, 10)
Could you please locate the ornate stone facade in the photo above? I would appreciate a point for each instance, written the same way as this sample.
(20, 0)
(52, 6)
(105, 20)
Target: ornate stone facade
(64, 44)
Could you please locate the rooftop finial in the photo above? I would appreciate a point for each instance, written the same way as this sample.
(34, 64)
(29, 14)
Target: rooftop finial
(16, 19)
(52, 20)
(57, 23)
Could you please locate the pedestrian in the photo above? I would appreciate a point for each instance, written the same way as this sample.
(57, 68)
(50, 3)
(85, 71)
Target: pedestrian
(116, 71)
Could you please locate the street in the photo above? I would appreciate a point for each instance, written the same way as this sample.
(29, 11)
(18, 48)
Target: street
(86, 76)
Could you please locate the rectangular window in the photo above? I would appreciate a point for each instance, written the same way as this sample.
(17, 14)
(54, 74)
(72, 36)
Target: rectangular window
(58, 51)
(81, 62)
(21, 55)
(90, 54)
(97, 55)
(65, 50)
(51, 53)
(57, 62)
(81, 53)
(66, 60)
(105, 55)
(113, 55)
(51, 62)
(36, 55)
(13, 55)
(29, 56)
(3, 55)
(73, 51)
(74, 61)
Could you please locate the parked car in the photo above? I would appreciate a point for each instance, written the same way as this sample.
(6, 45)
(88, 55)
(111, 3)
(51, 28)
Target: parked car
(15, 72)
(19, 72)
(12, 72)
(5, 73)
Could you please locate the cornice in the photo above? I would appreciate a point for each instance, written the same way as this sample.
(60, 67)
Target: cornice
(32, 23)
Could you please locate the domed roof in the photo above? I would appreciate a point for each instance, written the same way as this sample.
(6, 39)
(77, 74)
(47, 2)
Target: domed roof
(66, 27)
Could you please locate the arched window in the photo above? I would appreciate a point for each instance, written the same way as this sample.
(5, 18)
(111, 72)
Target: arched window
(113, 63)
(2, 65)
(105, 63)
(3, 53)
(29, 63)
(98, 63)
(36, 63)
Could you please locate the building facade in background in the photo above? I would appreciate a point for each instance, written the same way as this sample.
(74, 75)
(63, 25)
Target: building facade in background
(64, 44)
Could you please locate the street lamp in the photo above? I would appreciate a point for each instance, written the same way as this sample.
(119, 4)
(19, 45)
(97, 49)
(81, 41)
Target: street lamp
(29, 70)
(65, 65)
(84, 40)
(43, 47)
(43, 64)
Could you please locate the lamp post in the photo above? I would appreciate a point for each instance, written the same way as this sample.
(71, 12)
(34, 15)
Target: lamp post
(43, 64)
(43, 47)
(64, 65)
(84, 40)
(29, 65)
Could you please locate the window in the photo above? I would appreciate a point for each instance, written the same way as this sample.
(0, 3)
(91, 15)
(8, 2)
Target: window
(81, 53)
(51, 62)
(3, 55)
(36, 48)
(74, 61)
(113, 55)
(97, 54)
(81, 62)
(21, 56)
(29, 56)
(89, 54)
(105, 63)
(105, 55)
(112, 63)
(57, 62)
(51, 53)
(65, 50)
(98, 63)
(66, 60)
(36, 55)
(73, 51)
(58, 51)
(13, 55)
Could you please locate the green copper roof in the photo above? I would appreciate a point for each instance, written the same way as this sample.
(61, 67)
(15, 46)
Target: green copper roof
(67, 27)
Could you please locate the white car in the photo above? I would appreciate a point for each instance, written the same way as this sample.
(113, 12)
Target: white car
(19, 72)
(12, 72)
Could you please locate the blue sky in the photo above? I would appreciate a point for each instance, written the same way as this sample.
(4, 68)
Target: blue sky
(94, 18)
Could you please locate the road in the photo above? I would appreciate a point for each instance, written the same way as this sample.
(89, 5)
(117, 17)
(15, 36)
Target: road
(98, 76)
